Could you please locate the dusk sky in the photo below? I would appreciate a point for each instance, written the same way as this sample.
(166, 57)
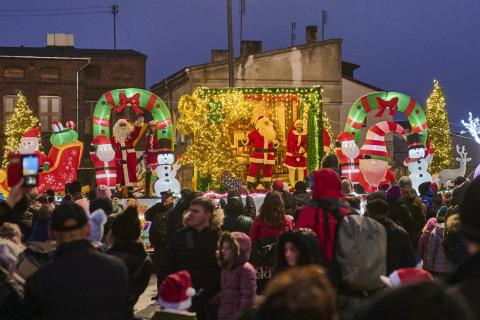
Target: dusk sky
(401, 45)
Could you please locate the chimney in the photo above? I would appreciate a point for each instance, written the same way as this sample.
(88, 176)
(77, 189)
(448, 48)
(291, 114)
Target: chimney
(60, 40)
(312, 32)
(219, 55)
(249, 47)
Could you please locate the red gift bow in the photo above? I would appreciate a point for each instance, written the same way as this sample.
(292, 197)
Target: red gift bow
(133, 101)
(383, 105)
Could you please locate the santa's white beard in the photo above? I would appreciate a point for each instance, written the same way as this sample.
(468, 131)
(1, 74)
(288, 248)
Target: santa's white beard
(28, 146)
(268, 132)
(106, 155)
(122, 133)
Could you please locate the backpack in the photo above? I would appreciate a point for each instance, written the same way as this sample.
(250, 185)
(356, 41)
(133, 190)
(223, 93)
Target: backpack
(262, 259)
(361, 253)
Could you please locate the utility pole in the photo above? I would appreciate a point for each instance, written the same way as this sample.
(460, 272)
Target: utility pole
(114, 12)
(324, 22)
(243, 4)
(293, 36)
(231, 80)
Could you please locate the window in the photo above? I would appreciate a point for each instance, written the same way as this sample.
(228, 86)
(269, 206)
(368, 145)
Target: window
(93, 72)
(50, 73)
(14, 73)
(49, 110)
(8, 105)
(122, 73)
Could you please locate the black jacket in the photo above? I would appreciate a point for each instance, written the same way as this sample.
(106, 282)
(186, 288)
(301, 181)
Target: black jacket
(140, 268)
(400, 252)
(195, 251)
(398, 212)
(241, 223)
(79, 283)
(290, 205)
(158, 214)
(466, 280)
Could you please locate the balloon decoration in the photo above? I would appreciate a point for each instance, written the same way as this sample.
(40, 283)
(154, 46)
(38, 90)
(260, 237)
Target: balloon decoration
(140, 101)
(370, 167)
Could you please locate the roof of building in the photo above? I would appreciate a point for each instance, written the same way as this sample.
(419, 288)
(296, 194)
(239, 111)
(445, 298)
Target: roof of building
(181, 75)
(68, 52)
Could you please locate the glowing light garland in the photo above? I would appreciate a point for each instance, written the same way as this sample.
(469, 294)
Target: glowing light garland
(437, 117)
(473, 127)
(208, 116)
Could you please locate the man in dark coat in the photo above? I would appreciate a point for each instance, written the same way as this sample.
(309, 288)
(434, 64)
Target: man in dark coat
(288, 198)
(80, 282)
(400, 252)
(193, 248)
(466, 280)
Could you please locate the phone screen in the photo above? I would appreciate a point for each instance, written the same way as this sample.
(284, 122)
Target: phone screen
(30, 170)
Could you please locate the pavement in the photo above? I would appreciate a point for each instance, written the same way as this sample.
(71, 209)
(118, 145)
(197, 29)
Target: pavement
(145, 306)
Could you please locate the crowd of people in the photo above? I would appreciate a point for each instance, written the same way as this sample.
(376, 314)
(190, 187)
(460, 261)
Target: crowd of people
(323, 253)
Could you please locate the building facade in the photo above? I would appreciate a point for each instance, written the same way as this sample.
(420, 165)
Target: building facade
(315, 63)
(63, 83)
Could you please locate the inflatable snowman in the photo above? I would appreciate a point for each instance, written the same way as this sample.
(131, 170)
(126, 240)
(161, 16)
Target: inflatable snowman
(166, 172)
(418, 161)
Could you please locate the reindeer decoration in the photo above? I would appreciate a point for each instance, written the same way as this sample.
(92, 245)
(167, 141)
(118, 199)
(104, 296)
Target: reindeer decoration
(447, 175)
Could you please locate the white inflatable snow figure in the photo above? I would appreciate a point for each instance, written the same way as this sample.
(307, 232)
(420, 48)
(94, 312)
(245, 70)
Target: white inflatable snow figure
(418, 161)
(166, 172)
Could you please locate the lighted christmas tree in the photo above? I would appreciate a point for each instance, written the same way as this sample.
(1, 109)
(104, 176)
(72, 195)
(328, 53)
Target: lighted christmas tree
(439, 135)
(328, 127)
(20, 120)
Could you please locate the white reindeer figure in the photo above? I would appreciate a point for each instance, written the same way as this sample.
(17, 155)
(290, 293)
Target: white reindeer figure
(447, 175)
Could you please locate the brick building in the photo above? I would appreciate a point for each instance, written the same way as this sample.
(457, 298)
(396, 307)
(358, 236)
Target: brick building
(54, 77)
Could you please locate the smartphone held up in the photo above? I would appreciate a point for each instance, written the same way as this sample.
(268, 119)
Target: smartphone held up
(24, 166)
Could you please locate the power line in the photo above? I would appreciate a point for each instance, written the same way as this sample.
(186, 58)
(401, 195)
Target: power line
(53, 9)
(51, 14)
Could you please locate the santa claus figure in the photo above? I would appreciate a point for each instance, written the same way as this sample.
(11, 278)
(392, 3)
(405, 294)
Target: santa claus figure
(296, 157)
(263, 141)
(125, 137)
(103, 157)
(150, 154)
(30, 143)
(348, 154)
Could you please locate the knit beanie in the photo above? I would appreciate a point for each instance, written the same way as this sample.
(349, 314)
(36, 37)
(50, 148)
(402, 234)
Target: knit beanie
(74, 187)
(469, 217)
(394, 193)
(441, 214)
(126, 226)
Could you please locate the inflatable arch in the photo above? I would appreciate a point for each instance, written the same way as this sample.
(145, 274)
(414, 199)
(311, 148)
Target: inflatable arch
(381, 101)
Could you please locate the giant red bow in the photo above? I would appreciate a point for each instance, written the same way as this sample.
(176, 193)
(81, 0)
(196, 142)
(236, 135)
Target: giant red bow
(133, 101)
(383, 105)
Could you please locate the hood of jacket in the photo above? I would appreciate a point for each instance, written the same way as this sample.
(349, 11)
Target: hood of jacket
(241, 246)
(303, 239)
(325, 184)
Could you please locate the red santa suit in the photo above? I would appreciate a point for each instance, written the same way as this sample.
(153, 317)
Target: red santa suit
(296, 157)
(151, 150)
(105, 172)
(262, 157)
(125, 151)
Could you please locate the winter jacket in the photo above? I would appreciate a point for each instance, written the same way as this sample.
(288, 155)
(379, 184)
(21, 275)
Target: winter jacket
(398, 212)
(18, 215)
(400, 252)
(290, 203)
(195, 251)
(11, 297)
(139, 266)
(242, 223)
(423, 242)
(261, 230)
(416, 209)
(158, 214)
(80, 283)
(40, 230)
(435, 259)
(238, 280)
(301, 200)
(466, 281)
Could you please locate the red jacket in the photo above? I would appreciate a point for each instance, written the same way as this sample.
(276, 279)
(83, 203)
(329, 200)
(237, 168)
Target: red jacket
(260, 230)
(296, 156)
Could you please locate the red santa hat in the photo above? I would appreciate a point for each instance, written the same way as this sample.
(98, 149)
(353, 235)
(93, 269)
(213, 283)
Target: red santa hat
(176, 291)
(99, 140)
(406, 276)
(32, 133)
(375, 146)
(345, 136)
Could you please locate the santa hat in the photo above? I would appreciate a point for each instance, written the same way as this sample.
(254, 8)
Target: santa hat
(176, 291)
(32, 133)
(99, 140)
(405, 276)
(375, 146)
(415, 141)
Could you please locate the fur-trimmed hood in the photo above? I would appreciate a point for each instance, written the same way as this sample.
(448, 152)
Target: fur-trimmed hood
(241, 246)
